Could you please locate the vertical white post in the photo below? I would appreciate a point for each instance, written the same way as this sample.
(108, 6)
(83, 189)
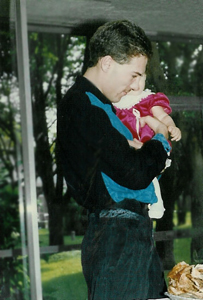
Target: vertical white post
(28, 150)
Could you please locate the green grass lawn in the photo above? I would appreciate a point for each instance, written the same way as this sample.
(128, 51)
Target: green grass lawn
(182, 246)
(62, 277)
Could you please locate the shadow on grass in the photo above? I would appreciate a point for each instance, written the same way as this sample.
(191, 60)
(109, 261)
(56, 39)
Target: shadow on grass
(62, 277)
(71, 287)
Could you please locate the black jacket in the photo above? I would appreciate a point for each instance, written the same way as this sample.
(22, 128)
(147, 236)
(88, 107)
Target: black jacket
(89, 145)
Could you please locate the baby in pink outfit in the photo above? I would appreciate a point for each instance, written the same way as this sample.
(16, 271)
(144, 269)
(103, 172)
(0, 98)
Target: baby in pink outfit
(137, 110)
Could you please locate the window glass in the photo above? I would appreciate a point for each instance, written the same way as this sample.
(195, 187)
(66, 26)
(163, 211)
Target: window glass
(55, 61)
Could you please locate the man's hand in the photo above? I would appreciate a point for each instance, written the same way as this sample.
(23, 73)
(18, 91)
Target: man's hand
(175, 133)
(135, 143)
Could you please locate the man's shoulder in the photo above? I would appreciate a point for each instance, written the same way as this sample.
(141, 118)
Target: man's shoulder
(74, 97)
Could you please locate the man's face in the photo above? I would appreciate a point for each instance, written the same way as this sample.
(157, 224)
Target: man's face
(140, 87)
(122, 78)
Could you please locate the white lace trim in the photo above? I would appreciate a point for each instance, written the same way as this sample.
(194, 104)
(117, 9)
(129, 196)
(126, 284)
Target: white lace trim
(129, 100)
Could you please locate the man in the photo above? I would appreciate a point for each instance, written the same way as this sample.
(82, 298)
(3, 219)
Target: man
(97, 152)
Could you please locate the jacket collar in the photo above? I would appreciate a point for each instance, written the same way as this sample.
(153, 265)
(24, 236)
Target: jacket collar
(88, 86)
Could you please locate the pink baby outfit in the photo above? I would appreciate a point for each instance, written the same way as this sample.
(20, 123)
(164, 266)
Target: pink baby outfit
(130, 108)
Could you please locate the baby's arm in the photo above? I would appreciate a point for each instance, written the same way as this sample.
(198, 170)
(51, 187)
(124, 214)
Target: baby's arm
(159, 113)
(155, 125)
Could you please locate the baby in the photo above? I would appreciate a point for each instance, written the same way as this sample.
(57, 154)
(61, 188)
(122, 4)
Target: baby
(137, 106)
(137, 110)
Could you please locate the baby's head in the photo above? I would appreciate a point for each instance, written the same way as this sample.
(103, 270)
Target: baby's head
(140, 88)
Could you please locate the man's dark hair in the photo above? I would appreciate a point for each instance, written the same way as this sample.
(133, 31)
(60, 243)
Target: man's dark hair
(122, 40)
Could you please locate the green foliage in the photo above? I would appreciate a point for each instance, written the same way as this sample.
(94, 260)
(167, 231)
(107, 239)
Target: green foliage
(178, 62)
(12, 272)
(9, 217)
(7, 51)
(12, 279)
(49, 54)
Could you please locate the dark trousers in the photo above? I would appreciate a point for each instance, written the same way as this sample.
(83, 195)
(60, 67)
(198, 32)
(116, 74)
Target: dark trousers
(119, 258)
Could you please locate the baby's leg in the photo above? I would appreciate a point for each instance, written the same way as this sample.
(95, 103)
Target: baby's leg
(156, 210)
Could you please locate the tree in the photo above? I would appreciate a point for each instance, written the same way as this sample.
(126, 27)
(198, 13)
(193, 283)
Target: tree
(51, 60)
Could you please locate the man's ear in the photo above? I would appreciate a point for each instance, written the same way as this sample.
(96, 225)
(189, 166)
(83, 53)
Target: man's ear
(106, 62)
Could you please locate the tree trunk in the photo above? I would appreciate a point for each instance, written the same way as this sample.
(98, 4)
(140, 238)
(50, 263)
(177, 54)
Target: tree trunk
(43, 156)
(155, 73)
